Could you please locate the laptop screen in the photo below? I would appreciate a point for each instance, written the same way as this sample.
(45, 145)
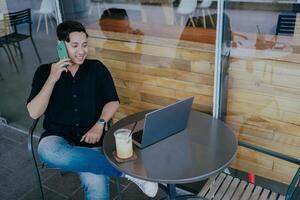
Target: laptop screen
(162, 123)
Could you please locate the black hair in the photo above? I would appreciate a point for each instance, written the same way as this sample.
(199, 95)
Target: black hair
(64, 29)
(114, 13)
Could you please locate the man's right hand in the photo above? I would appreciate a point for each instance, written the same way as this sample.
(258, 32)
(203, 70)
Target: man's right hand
(57, 68)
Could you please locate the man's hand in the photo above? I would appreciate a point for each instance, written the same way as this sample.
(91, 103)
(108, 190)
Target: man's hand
(93, 135)
(57, 69)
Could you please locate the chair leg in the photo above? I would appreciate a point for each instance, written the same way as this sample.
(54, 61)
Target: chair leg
(90, 10)
(35, 49)
(38, 175)
(204, 21)
(181, 20)
(99, 10)
(192, 21)
(118, 188)
(20, 50)
(210, 17)
(39, 23)
(9, 59)
(13, 60)
(46, 23)
(15, 48)
(50, 20)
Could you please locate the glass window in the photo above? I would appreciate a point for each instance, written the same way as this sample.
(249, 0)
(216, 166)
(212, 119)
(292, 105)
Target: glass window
(23, 47)
(261, 83)
(157, 51)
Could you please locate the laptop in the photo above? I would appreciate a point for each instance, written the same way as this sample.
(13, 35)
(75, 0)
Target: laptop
(162, 123)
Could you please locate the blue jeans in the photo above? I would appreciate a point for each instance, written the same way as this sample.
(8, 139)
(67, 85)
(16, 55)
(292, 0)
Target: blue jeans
(90, 163)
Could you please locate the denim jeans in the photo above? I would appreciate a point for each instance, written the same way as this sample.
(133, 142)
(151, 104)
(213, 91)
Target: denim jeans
(90, 163)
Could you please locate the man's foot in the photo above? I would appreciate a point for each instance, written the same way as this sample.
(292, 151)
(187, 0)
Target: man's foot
(149, 188)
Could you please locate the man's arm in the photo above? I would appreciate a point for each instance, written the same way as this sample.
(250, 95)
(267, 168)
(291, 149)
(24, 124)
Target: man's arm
(37, 106)
(95, 133)
(109, 110)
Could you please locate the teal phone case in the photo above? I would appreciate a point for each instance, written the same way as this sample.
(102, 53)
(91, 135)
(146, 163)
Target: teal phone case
(62, 50)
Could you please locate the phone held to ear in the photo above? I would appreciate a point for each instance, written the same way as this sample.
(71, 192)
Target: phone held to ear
(62, 51)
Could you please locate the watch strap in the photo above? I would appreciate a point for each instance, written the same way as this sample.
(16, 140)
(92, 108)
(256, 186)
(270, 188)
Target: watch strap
(103, 122)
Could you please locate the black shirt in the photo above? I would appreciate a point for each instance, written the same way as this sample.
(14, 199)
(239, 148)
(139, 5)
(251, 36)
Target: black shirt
(76, 103)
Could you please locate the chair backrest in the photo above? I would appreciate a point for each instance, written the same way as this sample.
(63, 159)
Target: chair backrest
(205, 4)
(13, 19)
(187, 6)
(286, 24)
(47, 6)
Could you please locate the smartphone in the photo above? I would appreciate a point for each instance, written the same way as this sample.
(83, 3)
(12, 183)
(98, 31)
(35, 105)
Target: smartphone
(62, 50)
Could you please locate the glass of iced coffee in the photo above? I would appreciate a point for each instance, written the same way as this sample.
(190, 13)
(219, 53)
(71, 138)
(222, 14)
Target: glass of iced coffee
(123, 140)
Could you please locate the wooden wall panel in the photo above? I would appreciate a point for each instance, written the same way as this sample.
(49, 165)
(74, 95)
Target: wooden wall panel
(151, 75)
(264, 109)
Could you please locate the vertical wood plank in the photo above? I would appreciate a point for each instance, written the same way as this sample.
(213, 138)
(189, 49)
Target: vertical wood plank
(231, 189)
(207, 186)
(273, 196)
(223, 188)
(215, 186)
(264, 194)
(256, 193)
(239, 191)
(248, 192)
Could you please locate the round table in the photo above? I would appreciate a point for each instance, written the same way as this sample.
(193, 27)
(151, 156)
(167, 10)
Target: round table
(203, 149)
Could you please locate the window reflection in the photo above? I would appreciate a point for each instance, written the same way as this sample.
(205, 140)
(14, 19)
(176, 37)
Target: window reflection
(260, 83)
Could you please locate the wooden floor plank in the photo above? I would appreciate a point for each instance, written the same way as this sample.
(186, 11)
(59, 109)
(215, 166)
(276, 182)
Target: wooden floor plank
(273, 196)
(264, 194)
(215, 186)
(248, 192)
(223, 188)
(256, 193)
(231, 189)
(239, 191)
(207, 186)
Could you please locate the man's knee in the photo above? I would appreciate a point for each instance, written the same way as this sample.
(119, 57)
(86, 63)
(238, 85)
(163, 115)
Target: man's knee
(52, 149)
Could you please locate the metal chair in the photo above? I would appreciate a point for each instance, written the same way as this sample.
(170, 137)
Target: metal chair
(225, 186)
(285, 24)
(12, 22)
(34, 159)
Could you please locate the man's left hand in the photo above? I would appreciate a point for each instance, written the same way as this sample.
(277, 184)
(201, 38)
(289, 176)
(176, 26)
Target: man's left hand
(93, 135)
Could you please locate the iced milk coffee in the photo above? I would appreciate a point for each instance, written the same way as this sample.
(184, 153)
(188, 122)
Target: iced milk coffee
(123, 143)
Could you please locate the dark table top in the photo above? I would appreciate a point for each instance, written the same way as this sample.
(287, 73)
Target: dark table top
(204, 148)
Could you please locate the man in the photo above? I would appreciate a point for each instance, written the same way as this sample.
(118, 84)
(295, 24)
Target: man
(77, 101)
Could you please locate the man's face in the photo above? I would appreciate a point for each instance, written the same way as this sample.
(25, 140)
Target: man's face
(77, 47)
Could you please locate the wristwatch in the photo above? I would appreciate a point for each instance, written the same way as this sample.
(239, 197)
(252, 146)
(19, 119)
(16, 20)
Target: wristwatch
(102, 122)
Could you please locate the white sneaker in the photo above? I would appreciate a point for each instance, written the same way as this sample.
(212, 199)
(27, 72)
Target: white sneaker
(149, 188)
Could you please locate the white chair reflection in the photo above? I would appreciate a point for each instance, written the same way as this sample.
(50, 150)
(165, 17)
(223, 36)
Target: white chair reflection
(204, 6)
(47, 10)
(187, 7)
(97, 4)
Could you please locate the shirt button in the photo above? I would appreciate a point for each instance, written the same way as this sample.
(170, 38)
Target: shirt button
(74, 96)
(75, 109)
(76, 124)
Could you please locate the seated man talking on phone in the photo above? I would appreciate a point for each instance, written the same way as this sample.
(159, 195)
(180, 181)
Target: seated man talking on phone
(77, 97)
